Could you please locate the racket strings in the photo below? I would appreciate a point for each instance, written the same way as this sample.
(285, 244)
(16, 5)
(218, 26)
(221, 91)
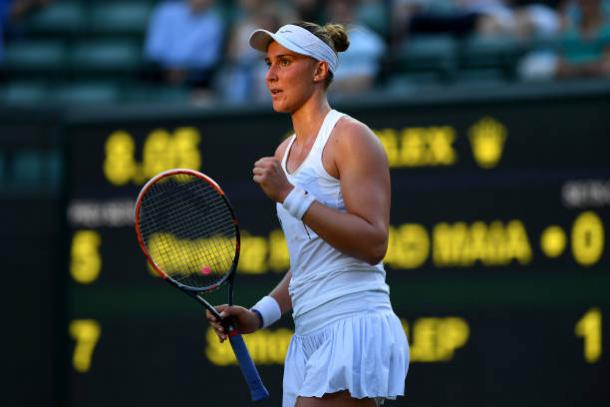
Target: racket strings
(188, 229)
(186, 253)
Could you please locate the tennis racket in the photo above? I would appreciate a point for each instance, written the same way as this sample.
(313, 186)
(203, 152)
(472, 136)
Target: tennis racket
(188, 232)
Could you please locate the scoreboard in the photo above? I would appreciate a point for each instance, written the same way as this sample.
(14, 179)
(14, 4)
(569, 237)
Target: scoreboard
(498, 259)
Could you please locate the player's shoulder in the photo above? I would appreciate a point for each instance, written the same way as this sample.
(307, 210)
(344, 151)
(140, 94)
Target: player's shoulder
(349, 124)
(350, 131)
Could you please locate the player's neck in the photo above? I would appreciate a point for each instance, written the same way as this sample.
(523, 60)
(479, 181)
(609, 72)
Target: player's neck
(307, 121)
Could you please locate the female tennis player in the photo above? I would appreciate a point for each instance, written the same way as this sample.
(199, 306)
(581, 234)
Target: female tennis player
(331, 185)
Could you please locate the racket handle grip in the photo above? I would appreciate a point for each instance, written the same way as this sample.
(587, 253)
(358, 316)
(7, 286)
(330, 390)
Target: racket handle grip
(257, 388)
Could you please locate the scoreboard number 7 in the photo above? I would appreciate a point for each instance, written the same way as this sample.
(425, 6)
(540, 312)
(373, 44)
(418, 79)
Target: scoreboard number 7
(86, 333)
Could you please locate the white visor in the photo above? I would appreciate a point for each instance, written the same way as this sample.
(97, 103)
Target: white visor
(296, 39)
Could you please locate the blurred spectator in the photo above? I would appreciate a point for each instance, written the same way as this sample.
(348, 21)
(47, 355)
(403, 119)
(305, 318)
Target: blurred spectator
(573, 13)
(498, 14)
(308, 10)
(586, 50)
(584, 46)
(242, 77)
(4, 7)
(21, 8)
(375, 14)
(185, 39)
(519, 18)
(455, 17)
(11, 14)
(359, 65)
(525, 20)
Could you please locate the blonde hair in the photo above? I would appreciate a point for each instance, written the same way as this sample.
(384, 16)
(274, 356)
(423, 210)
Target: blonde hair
(333, 35)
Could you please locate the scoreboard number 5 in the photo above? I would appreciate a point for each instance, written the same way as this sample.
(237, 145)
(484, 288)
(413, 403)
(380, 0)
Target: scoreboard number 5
(86, 333)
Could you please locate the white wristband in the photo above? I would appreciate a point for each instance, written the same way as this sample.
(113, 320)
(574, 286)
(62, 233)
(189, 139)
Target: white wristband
(269, 310)
(297, 202)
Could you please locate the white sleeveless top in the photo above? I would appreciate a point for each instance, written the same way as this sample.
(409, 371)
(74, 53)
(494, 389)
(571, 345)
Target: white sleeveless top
(320, 273)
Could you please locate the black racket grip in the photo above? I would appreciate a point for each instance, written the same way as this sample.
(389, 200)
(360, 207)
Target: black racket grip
(257, 388)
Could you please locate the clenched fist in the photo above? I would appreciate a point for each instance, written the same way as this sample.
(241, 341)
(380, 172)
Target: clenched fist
(268, 173)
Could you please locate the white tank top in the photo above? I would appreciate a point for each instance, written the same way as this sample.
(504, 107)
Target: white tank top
(320, 273)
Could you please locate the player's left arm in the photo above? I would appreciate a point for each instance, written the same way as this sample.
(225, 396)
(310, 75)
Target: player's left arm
(362, 167)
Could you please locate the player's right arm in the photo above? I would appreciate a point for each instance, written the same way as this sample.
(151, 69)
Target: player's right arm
(245, 320)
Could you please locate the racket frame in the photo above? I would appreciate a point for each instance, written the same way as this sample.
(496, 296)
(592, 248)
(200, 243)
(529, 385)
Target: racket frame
(258, 391)
(191, 291)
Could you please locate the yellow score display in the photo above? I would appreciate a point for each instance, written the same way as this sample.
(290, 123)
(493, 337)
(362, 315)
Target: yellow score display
(410, 147)
(411, 246)
(431, 339)
(162, 150)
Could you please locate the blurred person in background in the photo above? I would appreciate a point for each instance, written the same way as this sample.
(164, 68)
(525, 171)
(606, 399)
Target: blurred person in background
(518, 18)
(12, 12)
(455, 17)
(500, 12)
(307, 10)
(21, 8)
(241, 79)
(360, 63)
(572, 13)
(586, 49)
(583, 49)
(185, 40)
(528, 19)
(4, 7)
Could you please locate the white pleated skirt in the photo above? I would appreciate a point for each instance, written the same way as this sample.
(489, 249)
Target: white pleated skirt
(354, 343)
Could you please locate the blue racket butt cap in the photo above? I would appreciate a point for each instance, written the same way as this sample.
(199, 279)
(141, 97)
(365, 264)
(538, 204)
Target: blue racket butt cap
(258, 391)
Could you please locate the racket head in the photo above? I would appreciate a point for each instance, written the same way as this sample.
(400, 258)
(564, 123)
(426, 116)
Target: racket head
(187, 230)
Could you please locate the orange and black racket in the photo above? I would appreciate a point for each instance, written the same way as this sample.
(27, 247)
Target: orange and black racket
(189, 234)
